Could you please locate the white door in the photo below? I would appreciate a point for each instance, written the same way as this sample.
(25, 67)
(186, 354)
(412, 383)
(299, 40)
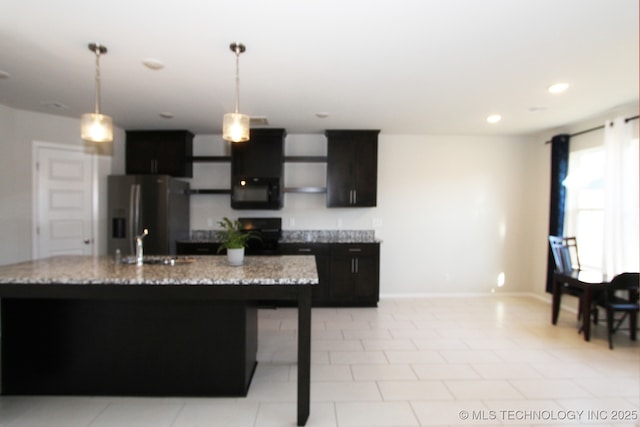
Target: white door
(64, 201)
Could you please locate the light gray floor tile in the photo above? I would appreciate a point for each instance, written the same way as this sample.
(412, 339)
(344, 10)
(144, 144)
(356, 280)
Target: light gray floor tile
(382, 372)
(139, 412)
(414, 390)
(375, 414)
(217, 413)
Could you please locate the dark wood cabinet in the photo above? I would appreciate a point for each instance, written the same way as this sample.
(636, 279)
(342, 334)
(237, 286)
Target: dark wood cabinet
(348, 273)
(262, 156)
(142, 345)
(320, 292)
(355, 274)
(160, 152)
(257, 171)
(352, 168)
(197, 248)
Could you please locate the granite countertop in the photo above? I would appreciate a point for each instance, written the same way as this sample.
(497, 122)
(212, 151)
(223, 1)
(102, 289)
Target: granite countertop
(196, 270)
(300, 236)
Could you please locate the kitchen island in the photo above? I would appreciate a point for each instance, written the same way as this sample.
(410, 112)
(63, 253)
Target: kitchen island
(78, 325)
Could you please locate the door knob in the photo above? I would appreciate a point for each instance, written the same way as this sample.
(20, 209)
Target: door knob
(87, 242)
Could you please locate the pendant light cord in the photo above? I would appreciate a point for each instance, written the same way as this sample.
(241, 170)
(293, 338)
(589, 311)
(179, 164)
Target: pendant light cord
(98, 81)
(237, 79)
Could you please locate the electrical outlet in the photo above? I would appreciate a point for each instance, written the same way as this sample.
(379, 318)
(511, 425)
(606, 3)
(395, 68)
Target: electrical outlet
(376, 222)
(292, 222)
(339, 222)
(209, 222)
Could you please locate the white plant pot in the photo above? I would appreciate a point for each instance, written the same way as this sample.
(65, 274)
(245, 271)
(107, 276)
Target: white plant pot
(235, 257)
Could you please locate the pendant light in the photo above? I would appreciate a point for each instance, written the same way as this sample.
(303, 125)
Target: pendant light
(235, 126)
(96, 127)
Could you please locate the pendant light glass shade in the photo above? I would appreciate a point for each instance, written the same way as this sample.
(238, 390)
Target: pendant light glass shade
(96, 127)
(235, 126)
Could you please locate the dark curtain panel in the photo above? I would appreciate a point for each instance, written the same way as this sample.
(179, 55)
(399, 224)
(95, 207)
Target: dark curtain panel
(559, 166)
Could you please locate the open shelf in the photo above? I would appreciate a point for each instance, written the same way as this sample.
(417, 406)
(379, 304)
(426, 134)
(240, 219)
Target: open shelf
(305, 159)
(209, 191)
(307, 190)
(211, 159)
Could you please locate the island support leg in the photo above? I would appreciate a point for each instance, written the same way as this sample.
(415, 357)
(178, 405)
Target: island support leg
(304, 353)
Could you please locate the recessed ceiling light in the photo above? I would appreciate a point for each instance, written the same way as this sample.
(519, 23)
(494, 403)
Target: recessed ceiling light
(322, 114)
(4, 75)
(494, 118)
(558, 87)
(166, 115)
(153, 64)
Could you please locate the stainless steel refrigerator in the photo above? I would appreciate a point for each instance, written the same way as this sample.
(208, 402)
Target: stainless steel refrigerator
(158, 203)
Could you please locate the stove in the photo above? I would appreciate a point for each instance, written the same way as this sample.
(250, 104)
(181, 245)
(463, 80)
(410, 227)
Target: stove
(270, 230)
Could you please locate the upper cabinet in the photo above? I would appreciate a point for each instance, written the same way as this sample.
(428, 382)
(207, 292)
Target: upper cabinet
(167, 152)
(257, 170)
(352, 168)
(261, 156)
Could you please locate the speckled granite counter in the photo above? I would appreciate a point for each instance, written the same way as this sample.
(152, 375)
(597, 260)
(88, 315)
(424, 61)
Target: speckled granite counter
(280, 270)
(328, 236)
(302, 236)
(74, 325)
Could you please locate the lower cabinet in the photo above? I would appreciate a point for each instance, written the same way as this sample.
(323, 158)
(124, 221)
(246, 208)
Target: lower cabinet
(348, 273)
(320, 292)
(197, 248)
(355, 274)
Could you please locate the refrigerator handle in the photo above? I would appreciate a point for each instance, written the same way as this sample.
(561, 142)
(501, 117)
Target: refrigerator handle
(137, 205)
(132, 197)
(133, 214)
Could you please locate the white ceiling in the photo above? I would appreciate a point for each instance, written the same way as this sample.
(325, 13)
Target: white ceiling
(403, 66)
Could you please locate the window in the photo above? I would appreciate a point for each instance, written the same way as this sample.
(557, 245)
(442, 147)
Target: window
(584, 216)
(586, 198)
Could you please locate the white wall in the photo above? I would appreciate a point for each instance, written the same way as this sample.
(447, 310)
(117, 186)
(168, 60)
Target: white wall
(18, 130)
(453, 213)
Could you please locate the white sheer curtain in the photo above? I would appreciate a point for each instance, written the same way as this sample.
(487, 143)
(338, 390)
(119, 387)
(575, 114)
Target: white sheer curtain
(621, 211)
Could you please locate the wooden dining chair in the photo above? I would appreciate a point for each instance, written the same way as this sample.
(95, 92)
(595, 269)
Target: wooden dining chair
(565, 256)
(565, 253)
(620, 297)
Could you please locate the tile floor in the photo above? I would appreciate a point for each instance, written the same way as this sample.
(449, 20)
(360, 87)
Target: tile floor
(410, 362)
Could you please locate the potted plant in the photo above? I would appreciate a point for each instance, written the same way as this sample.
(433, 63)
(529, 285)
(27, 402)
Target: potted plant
(234, 239)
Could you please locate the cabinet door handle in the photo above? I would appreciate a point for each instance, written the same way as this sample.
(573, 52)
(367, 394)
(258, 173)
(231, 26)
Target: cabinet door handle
(304, 249)
(355, 249)
(355, 197)
(354, 265)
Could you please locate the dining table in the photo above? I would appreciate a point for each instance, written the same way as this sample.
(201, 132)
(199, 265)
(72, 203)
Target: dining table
(590, 282)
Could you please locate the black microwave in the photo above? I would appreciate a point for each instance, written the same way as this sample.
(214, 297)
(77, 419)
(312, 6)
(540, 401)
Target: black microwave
(256, 193)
